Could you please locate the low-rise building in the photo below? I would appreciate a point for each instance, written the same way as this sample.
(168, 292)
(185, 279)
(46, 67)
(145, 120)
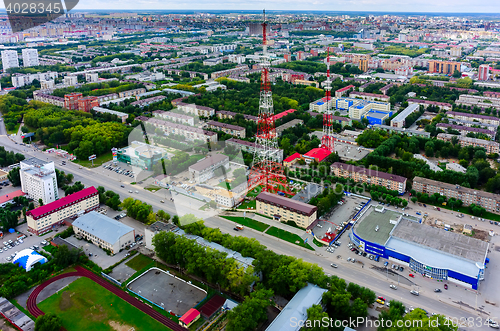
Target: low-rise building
(369, 96)
(464, 130)
(476, 100)
(427, 103)
(399, 119)
(227, 199)
(369, 176)
(104, 232)
(47, 98)
(409, 132)
(149, 101)
(153, 230)
(316, 154)
(196, 110)
(174, 117)
(188, 132)
(234, 130)
(288, 125)
(473, 117)
(250, 147)
(131, 93)
(229, 114)
(490, 146)
(283, 209)
(120, 115)
(9, 198)
(192, 315)
(142, 155)
(292, 159)
(204, 169)
(41, 220)
(489, 201)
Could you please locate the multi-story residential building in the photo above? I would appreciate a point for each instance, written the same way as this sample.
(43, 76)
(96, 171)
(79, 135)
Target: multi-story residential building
(30, 57)
(427, 103)
(42, 219)
(399, 120)
(146, 102)
(131, 93)
(104, 231)
(369, 176)
(47, 98)
(455, 167)
(227, 199)
(120, 115)
(20, 80)
(190, 133)
(473, 117)
(196, 110)
(288, 125)
(476, 100)
(464, 130)
(340, 92)
(483, 72)
(87, 103)
(489, 201)
(491, 94)
(369, 96)
(204, 169)
(491, 147)
(343, 121)
(250, 148)
(174, 117)
(444, 67)
(10, 59)
(234, 130)
(284, 209)
(70, 80)
(38, 179)
(71, 100)
(409, 132)
(47, 84)
(229, 114)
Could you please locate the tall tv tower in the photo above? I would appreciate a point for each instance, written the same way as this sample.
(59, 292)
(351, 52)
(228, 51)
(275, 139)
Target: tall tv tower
(266, 170)
(328, 140)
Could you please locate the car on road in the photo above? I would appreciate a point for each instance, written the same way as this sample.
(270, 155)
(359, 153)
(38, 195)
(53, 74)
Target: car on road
(162, 201)
(236, 229)
(136, 191)
(425, 205)
(386, 264)
(333, 265)
(414, 292)
(492, 324)
(349, 259)
(401, 269)
(394, 287)
(122, 185)
(381, 298)
(437, 290)
(445, 286)
(412, 275)
(380, 301)
(130, 191)
(44, 242)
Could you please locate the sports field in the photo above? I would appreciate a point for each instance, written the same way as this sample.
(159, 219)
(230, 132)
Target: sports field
(85, 305)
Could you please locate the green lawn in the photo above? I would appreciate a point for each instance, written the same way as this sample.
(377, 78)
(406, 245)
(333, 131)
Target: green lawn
(248, 222)
(255, 192)
(287, 236)
(248, 205)
(13, 131)
(85, 305)
(49, 248)
(152, 188)
(97, 162)
(139, 262)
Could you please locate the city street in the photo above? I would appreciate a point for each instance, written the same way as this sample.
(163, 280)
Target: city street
(442, 303)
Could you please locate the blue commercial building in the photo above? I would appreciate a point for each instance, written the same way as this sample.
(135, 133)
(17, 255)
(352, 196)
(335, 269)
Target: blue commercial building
(377, 116)
(427, 251)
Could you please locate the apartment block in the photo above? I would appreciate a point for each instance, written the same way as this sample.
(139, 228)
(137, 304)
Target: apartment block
(473, 117)
(47, 98)
(71, 100)
(131, 93)
(369, 96)
(87, 103)
(489, 201)
(148, 101)
(250, 147)
(190, 133)
(196, 110)
(476, 100)
(399, 120)
(444, 67)
(38, 179)
(229, 114)
(174, 117)
(30, 57)
(283, 209)
(42, 219)
(10, 59)
(204, 169)
(464, 130)
(234, 130)
(369, 176)
(490, 146)
(427, 103)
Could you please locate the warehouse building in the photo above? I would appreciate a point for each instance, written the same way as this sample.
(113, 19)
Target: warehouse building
(283, 209)
(428, 251)
(42, 219)
(369, 176)
(104, 232)
(204, 169)
(489, 201)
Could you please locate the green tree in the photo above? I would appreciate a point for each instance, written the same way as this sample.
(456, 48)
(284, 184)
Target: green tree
(14, 177)
(247, 315)
(48, 322)
(315, 318)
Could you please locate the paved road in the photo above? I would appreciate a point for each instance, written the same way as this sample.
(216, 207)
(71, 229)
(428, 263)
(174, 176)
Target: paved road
(352, 273)
(80, 271)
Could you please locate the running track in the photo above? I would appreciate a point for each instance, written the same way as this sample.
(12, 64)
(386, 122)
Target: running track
(80, 271)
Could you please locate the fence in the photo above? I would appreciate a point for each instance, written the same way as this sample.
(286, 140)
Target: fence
(111, 279)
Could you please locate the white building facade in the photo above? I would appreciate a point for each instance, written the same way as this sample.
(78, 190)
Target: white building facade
(30, 57)
(38, 180)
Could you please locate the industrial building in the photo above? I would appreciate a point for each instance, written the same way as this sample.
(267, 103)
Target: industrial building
(399, 119)
(489, 201)
(104, 231)
(204, 169)
(369, 176)
(428, 251)
(42, 219)
(38, 179)
(142, 155)
(283, 209)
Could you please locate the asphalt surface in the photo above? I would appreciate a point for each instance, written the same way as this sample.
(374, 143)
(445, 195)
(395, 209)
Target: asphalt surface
(449, 306)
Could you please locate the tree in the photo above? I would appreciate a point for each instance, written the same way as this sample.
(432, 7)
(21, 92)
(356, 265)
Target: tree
(40, 202)
(48, 322)
(64, 256)
(15, 177)
(414, 199)
(247, 315)
(457, 74)
(315, 317)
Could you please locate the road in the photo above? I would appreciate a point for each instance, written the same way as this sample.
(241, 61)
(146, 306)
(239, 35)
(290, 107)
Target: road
(432, 302)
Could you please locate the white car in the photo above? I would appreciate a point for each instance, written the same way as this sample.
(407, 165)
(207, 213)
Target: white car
(492, 324)
(394, 287)
(44, 242)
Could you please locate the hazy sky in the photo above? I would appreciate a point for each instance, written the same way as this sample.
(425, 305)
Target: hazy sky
(457, 6)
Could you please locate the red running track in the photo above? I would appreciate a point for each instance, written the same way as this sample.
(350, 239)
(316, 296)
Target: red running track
(80, 271)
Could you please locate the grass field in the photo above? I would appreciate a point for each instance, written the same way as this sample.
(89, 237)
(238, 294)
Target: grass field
(248, 205)
(287, 236)
(139, 262)
(84, 305)
(97, 162)
(253, 224)
(15, 129)
(255, 192)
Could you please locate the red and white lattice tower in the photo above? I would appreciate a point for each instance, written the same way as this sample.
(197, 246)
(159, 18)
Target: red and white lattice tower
(266, 170)
(328, 140)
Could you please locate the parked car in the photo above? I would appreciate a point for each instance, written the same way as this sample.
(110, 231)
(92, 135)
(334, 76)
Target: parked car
(386, 264)
(445, 286)
(380, 301)
(412, 275)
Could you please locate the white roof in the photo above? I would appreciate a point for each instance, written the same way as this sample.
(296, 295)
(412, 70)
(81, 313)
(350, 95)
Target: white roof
(102, 227)
(27, 258)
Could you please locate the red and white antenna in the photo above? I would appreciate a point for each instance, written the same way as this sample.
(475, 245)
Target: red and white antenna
(328, 140)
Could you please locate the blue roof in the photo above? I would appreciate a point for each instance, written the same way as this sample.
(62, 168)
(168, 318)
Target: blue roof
(27, 258)
(320, 103)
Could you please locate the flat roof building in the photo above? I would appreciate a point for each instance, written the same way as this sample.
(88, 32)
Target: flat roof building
(427, 103)
(288, 125)
(284, 209)
(250, 147)
(464, 130)
(399, 119)
(204, 169)
(190, 133)
(409, 132)
(234, 130)
(141, 155)
(120, 115)
(174, 117)
(104, 231)
(474, 117)
(489, 145)
(38, 179)
(154, 229)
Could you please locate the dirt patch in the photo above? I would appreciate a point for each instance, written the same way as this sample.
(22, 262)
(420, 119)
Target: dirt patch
(5, 326)
(96, 313)
(120, 327)
(480, 234)
(66, 302)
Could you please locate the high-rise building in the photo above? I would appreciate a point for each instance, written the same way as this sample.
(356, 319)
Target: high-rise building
(483, 72)
(38, 179)
(363, 65)
(87, 103)
(10, 59)
(30, 57)
(444, 67)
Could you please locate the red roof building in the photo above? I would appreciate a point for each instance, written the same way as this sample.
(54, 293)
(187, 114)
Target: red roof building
(189, 318)
(5, 199)
(212, 306)
(283, 114)
(291, 159)
(316, 154)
